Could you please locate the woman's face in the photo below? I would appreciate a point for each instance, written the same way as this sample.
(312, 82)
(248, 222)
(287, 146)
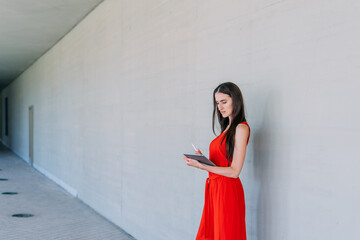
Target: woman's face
(224, 104)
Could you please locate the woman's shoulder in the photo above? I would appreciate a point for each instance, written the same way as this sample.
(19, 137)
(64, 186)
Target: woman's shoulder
(243, 127)
(242, 131)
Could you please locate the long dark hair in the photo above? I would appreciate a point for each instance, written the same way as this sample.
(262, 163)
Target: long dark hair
(238, 115)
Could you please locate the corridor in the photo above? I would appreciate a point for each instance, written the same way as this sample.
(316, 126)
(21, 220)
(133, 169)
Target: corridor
(56, 213)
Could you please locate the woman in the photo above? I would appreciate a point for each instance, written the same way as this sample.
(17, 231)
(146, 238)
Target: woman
(223, 216)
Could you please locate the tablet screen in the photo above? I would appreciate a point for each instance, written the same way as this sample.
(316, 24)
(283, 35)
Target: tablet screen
(200, 158)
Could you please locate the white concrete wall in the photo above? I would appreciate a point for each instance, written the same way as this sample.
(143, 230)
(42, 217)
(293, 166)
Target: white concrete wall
(122, 96)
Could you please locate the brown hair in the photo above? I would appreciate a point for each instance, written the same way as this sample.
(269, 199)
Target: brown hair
(238, 115)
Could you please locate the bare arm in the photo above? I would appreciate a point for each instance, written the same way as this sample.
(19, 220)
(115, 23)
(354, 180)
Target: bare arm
(233, 171)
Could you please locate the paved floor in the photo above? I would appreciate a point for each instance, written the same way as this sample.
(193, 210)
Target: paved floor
(57, 214)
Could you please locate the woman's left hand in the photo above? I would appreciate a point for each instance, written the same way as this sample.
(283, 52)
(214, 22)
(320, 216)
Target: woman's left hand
(191, 162)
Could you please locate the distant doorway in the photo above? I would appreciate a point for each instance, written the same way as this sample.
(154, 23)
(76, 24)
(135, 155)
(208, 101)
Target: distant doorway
(31, 135)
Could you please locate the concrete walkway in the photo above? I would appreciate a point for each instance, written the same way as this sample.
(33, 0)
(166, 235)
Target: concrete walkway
(57, 214)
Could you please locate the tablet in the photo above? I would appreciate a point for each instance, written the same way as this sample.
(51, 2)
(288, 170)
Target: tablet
(201, 158)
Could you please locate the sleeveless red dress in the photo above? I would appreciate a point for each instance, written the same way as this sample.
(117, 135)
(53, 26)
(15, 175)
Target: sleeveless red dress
(223, 216)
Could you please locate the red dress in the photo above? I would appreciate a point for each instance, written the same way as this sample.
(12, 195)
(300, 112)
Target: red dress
(223, 216)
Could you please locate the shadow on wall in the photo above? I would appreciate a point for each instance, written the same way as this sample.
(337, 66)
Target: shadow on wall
(270, 166)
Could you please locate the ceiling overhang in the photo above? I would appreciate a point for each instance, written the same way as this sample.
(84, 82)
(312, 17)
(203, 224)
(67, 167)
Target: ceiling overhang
(28, 28)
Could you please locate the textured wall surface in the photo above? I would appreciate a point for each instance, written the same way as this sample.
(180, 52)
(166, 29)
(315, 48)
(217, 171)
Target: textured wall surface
(121, 97)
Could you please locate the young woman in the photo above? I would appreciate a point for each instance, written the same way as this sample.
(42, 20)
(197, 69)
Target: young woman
(223, 216)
